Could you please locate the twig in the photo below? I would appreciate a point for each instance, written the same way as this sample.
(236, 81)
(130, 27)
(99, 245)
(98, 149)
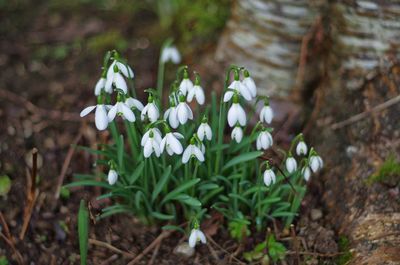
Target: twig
(20, 260)
(31, 194)
(5, 228)
(110, 247)
(305, 253)
(224, 250)
(155, 252)
(295, 243)
(365, 114)
(66, 163)
(164, 234)
(213, 253)
(110, 259)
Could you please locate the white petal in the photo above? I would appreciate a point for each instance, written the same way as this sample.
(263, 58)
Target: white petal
(175, 55)
(144, 112)
(145, 138)
(125, 70)
(101, 119)
(162, 144)
(182, 113)
(110, 71)
(232, 115)
(86, 111)
(251, 86)
(133, 102)
(228, 95)
(175, 145)
(262, 114)
(99, 86)
(199, 95)
(244, 92)
(268, 114)
(185, 86)
(201, 132)
(201, 236)
(241, 115)
(208, 132)
(113, 111)
(148, 149)
(189, 111)
(186, 154)
(178, 135)
(112, 177)
(156, 148)
(258, 143)
(197, 152)
(108, 85)
(120, 82)
(127, 112)
(193, 238)
(167, 112)
(153, 112)
(190, 95)
(173, 119)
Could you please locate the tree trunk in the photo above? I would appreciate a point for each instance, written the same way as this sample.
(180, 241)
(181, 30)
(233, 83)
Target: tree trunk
(347, 53)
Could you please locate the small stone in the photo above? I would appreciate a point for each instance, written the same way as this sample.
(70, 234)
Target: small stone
(316, 214)
(184, 250)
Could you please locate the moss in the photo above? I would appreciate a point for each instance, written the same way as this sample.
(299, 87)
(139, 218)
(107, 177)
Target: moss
(344, 246)
(388, 173)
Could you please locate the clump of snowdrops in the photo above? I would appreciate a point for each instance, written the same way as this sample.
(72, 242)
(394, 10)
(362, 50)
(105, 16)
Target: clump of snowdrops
(177, 164)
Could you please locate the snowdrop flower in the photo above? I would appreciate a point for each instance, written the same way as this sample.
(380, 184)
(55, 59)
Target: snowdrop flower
(306, 172)
(100, 116)
(121, 109)
(156, 135)
(150, 110)
(204, 131)
(196, 92)
(117, 79)
(170, 54)
(171, 143)
(99, 86)
(151, 145)
(117, 66)
(238, 88)
(186, 85)
(112, 177)
(192, 151)
(237, 134)
(134, 103)
(291, 164)
(316, 163)
(266, 114)
(236, 114)
(301, 148)
(250, 84)
(172, 116)
(264, 140)
(195, 236)
(183, 111)
(269, 177)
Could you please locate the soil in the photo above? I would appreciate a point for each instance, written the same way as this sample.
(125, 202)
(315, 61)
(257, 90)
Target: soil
(43, 87)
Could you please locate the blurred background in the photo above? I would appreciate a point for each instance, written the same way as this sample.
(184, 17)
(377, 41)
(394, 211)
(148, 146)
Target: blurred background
(330, 67)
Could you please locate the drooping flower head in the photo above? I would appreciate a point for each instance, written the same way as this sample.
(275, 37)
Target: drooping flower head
(121, 109)
(100, 116)
(183, 111)
(301, 148)
(291, 164)
(315, 161)
(204, 130)
(186, 85)
(269, 176)
(150, 110)
(196, 235)
(236, 113)
(237, 134)
(170, 142)
(112, 176)
(264, 140)
(266, 113)
(249, 83)
(152, 145)
(196, 92)
(306, 172)
(237, 87)
(170, 54)
(192, 150)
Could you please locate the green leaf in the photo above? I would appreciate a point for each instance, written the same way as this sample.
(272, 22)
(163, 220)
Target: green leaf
(173, 228)
(188, 200)
(120, 152)
(162, 216)
(136, 174)
(161, 183)
(83, 231)
(242, 158)
(89, 183)
(186, 185)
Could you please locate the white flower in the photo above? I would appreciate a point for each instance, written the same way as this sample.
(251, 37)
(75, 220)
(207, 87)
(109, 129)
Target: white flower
(171, 143)
(122, 109)
(204, 131)
(170, 54)
(151, 111)
(266, 114)
(240, 88)
(151, 145)
(264, 140)
(100, 116)
(251, 86)
(236, 114)
(112, 177)
(134, 103)
(172, 117)
(316, 163)
(306, 172)
(301, 148)
(198, 93)
(156, 135)
(185, 86)
(99, 86)
(183, 112)
(119, 82)
(192, 150)
(196, 235)
(237, 134)
(125, 69)
(291, 164)
(269, 177)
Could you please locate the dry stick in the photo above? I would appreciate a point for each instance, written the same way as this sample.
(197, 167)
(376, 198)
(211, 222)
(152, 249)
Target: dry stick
(224, 250)
(305, 253)
(295, 243)
(365, 114)
(4, 226)
(20, 260)
(110, 247)
(213, 253)
(156, 241)
(155, 252)
(110, 259)
(66, 163)
(31, 195)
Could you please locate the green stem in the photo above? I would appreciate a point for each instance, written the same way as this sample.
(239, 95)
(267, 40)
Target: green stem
(160, 81)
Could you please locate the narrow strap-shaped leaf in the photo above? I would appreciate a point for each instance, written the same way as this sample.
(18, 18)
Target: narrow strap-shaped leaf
(83, 230)
(242, 158)
(161, 183)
